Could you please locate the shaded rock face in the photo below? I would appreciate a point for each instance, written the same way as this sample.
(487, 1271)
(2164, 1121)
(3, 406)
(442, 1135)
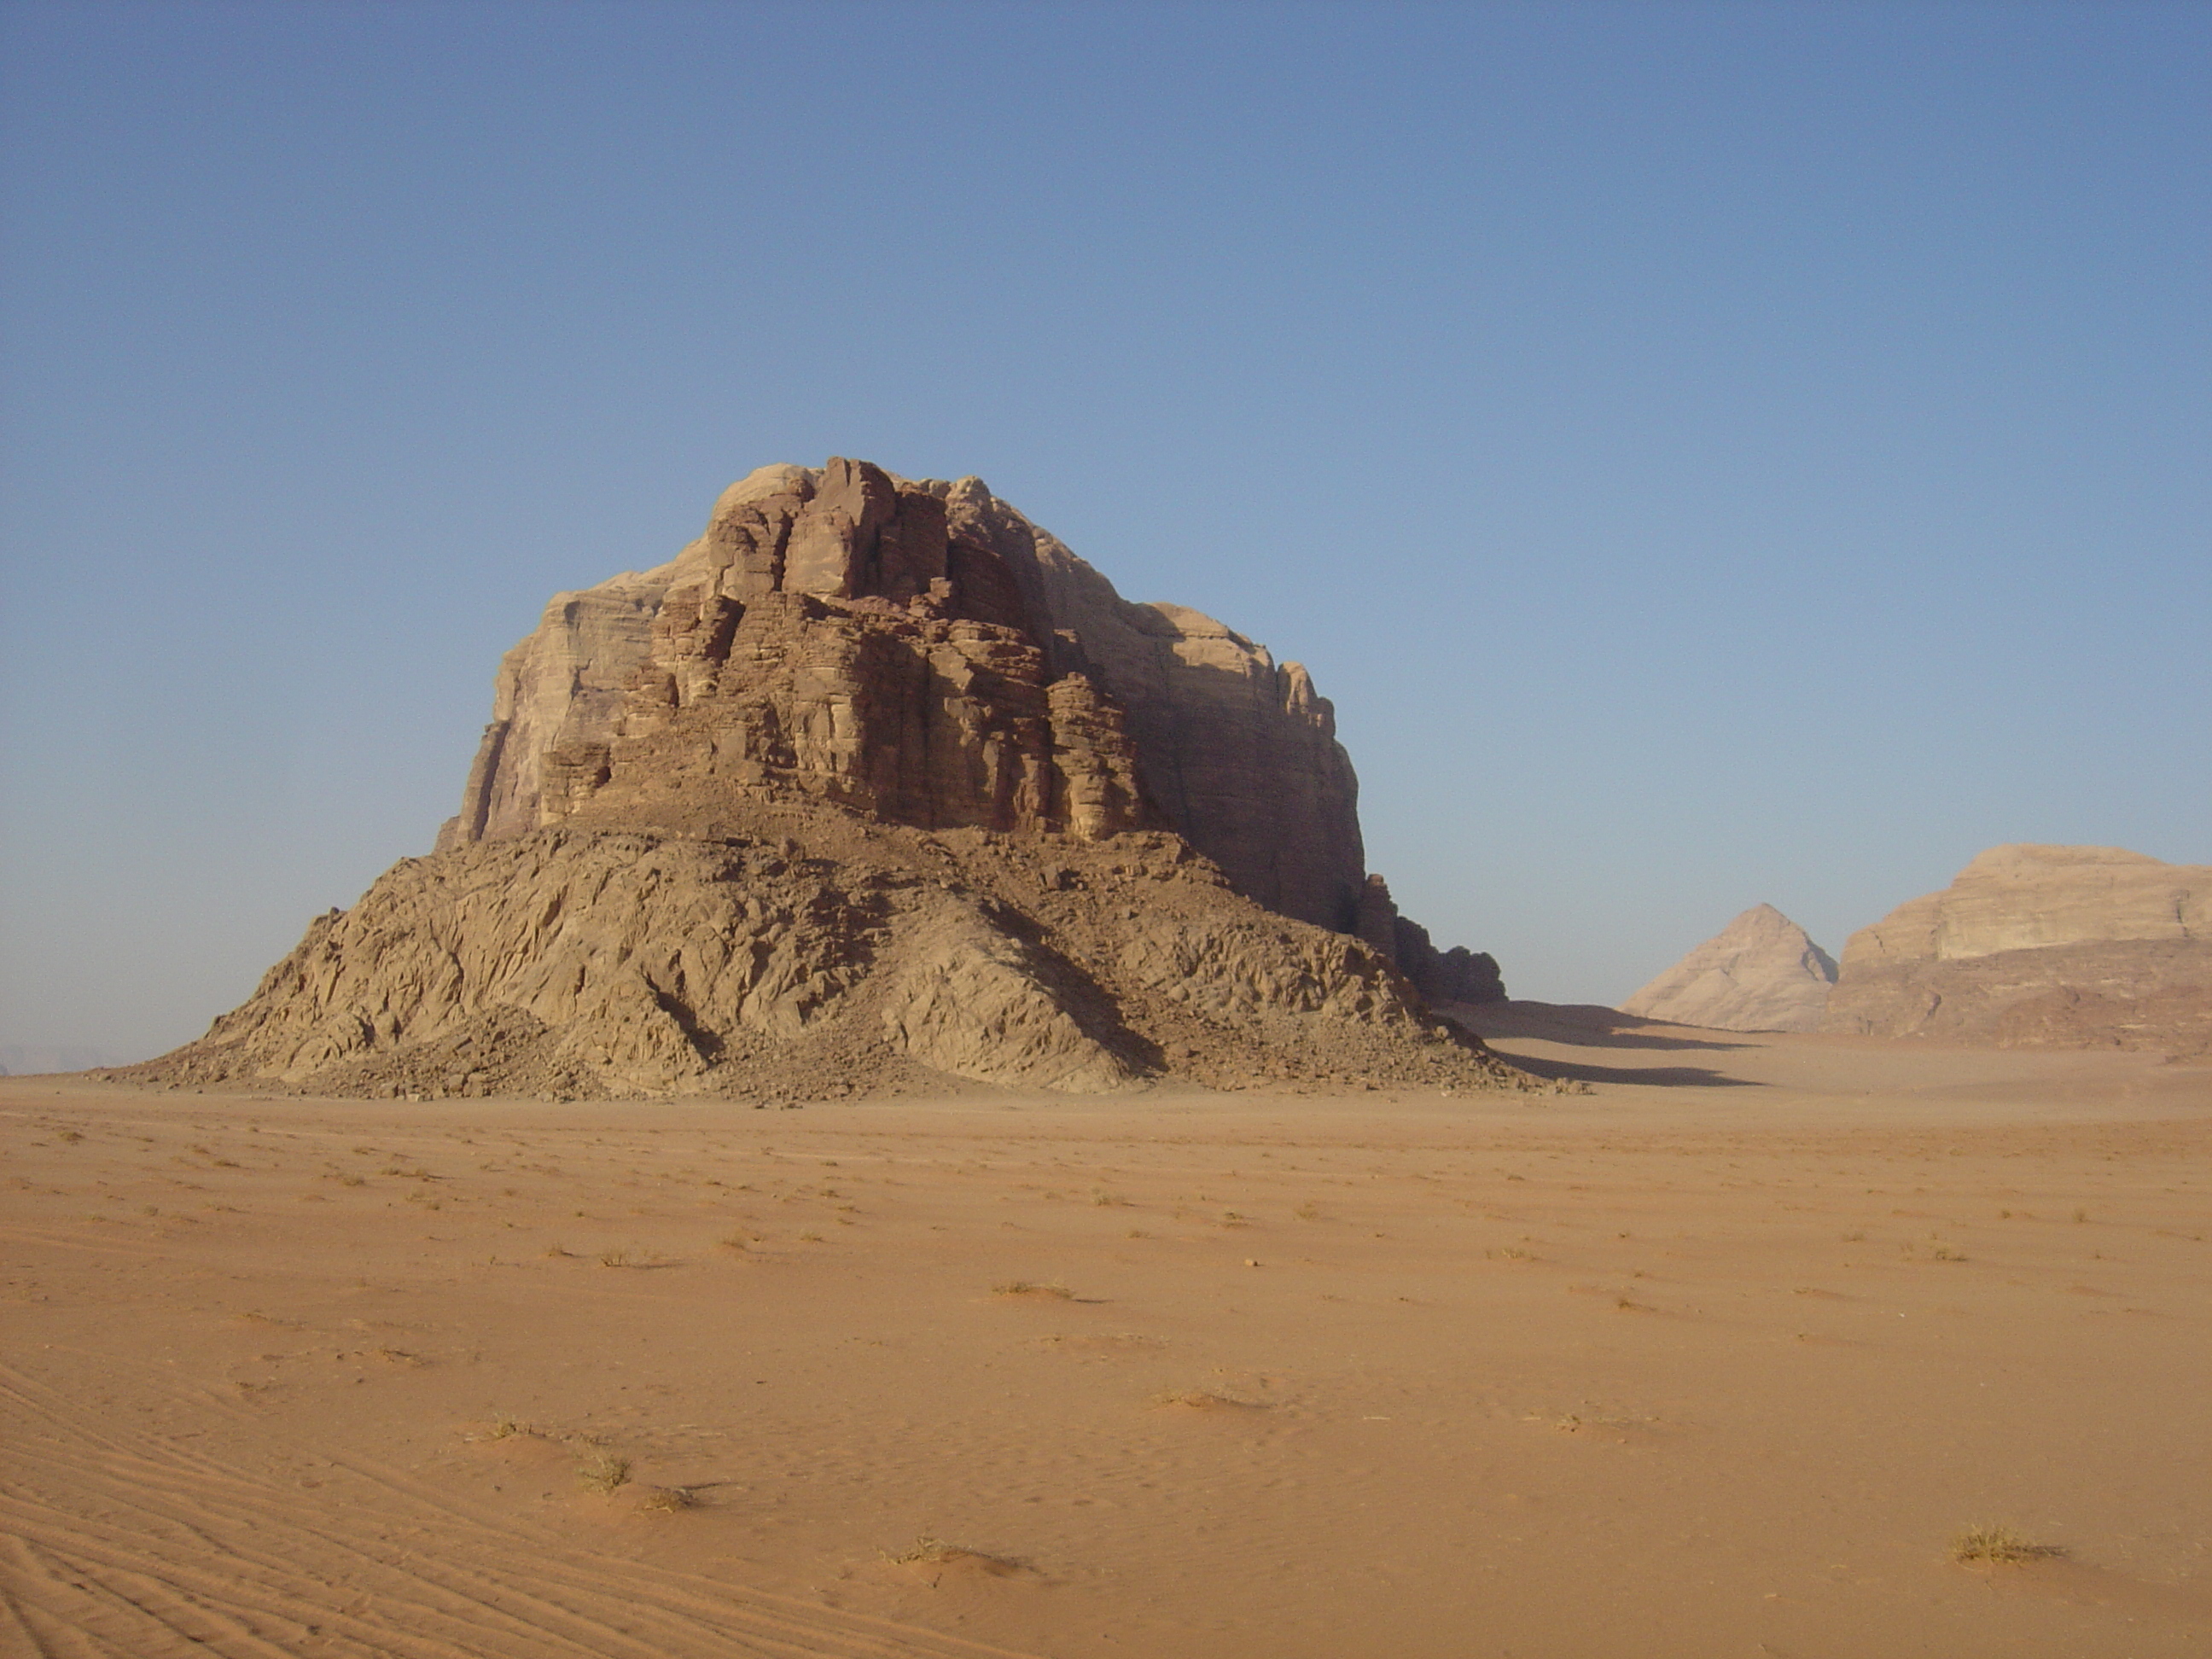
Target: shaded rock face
(1458, 975)
(816, 954)
(1760, 972)
(2051, 946)
(922, 653)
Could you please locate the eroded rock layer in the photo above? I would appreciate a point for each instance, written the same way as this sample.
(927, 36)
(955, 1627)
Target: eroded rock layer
(1760, 972)
(818, 954)
(2052, 946)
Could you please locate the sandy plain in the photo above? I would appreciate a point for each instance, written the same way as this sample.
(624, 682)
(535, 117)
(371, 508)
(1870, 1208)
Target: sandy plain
(1716, 1359)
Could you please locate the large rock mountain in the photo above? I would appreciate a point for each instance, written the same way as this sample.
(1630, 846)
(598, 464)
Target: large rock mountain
(874, 783)
(2065, 946)
(922, 653)
(1760, 972)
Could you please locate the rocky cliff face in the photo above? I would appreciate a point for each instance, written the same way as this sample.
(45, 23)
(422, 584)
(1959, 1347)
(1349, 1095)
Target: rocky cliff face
(874, 784)
(1760, 972)
(921, 652)
(2066, 946)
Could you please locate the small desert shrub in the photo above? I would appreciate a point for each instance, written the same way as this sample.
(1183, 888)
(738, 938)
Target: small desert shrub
(1999, 1545)
(929, 1550)
(1024, 1287)
(603, 1471)
(506, 1428)
(927, 1547)
(669, 1500)
(1205, 1400)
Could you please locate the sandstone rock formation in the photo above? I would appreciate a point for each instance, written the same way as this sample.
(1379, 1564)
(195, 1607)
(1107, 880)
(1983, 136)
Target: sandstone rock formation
(874, 784)
(921, 651)
(2055, 947)
(1760, 972)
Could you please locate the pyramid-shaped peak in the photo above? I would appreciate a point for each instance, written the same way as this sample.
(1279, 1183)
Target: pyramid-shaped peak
(1760, 972)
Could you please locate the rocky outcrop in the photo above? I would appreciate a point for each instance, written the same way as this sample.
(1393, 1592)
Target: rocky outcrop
(875, 785)
(2059, 946)
(1458, 975)
(815, 954)
(1760, 972)
(829, 640)
(921, 651)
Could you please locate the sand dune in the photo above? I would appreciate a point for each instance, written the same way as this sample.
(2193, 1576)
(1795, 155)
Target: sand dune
(1717, 1359)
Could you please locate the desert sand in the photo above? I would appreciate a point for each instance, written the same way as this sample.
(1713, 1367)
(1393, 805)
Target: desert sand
(1717, 1359)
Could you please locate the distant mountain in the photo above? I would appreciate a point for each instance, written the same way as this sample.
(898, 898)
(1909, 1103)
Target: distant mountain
(33, 1058)
(2042, 946)
(1760, 972)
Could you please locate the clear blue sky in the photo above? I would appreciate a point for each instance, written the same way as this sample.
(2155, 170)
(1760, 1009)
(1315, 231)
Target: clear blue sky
(1709, 453)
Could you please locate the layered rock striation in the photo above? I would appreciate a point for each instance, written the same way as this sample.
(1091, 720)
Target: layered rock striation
(2037, 945)
(1760, 972)
(874, 784)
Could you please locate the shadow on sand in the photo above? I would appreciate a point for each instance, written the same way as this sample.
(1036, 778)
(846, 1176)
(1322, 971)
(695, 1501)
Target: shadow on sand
(1583, 1028)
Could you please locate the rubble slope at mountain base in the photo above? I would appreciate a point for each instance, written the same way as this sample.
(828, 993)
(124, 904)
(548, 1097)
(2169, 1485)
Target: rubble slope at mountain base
(808, 953)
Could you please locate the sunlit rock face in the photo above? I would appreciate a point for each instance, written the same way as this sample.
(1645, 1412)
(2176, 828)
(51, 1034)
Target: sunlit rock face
(1760, 972)
(2057, 946)
(922, 652)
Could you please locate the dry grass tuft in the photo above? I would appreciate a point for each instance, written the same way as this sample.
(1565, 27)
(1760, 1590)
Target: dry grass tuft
(668, 1500)
(1201, 1400)
(603, 1471)
(928, 1548)
(930, 1551)
(1057, 1292)
(2000, 1545)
